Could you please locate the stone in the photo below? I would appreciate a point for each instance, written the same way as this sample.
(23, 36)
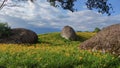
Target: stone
(20, 36)
(107, 40)
(68, 33)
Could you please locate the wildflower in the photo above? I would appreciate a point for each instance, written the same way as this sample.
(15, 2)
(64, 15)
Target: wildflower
(67, 54)
(38, 59)
(80, 58)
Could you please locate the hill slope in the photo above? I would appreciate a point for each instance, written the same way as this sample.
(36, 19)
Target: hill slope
(52, 51)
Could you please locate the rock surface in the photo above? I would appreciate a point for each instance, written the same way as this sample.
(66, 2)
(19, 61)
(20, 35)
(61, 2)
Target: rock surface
(107, 40)
(68, 33)
(20, 36)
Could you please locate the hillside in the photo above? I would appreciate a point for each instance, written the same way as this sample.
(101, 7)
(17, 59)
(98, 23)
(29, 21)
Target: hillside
(52, 51)
(56, 39)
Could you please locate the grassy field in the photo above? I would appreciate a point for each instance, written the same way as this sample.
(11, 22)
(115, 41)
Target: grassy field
(52, 51)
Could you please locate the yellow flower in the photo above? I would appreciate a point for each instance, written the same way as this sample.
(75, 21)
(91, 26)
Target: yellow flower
(80, 58)
(67, 54)
(38, 59)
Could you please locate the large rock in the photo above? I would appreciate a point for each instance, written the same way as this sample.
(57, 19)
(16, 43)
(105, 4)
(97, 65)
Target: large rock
(20, 35)
(68, 33)
(107, 40)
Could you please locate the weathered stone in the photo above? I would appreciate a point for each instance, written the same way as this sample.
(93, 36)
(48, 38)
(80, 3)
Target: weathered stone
(21, 36)
(107, 40)
(68, 33)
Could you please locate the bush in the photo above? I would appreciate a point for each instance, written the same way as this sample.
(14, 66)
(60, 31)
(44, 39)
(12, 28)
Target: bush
(97, 29)
(5, 30)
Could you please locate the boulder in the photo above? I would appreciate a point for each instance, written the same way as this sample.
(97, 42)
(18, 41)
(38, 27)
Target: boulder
(107, 40)
(20, 36)
(68, 33)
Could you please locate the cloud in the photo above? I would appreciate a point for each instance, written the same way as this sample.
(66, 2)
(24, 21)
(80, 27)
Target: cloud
(42, 15)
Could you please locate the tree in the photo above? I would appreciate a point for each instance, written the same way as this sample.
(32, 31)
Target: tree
(101, 5)
(2, 4)
(5, 30)
(97, 29)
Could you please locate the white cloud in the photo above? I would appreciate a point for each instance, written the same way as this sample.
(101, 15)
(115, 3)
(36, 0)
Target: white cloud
(41, 14)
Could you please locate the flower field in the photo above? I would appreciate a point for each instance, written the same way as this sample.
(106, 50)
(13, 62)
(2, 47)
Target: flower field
(52, 51)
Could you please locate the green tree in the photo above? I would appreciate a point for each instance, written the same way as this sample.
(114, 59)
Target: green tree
(97, 29)
(101, 5)
(5, 30)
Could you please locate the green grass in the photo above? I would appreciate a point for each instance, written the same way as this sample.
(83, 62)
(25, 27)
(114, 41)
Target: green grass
(52, 51)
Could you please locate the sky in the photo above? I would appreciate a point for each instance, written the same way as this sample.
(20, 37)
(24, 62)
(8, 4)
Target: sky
(43, 18)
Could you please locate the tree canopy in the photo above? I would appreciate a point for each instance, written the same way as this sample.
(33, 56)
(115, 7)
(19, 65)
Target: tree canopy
(5, 30)
(102, 6)
(97, 29)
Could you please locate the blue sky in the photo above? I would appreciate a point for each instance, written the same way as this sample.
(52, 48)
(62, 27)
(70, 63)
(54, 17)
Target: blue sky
(116, 6)
(42, 18)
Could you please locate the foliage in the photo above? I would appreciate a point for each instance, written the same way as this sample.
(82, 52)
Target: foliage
(97, 29)
(5, 30)
(54, 52)
(101, 5)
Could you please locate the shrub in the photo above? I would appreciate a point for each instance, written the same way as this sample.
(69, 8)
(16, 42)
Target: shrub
(5, 30)
(97, 29)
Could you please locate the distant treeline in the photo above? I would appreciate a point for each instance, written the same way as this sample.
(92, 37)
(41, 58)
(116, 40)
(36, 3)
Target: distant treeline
(95, 30)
